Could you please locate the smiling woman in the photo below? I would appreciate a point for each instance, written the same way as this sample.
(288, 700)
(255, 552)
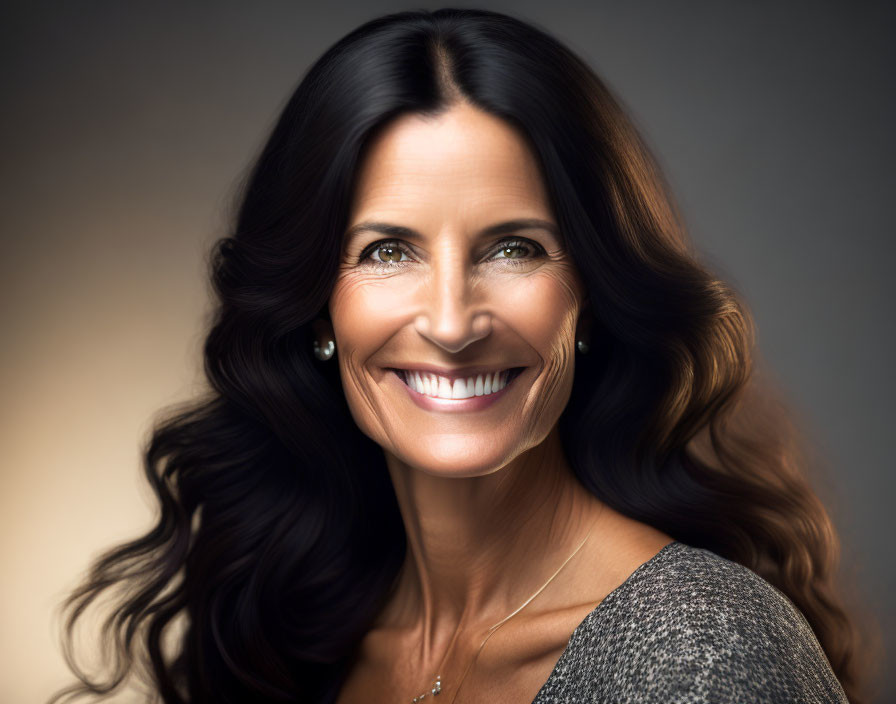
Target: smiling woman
(479, 290)
(478, 424)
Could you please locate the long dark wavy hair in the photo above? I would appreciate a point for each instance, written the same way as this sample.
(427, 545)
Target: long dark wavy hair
(279, 538)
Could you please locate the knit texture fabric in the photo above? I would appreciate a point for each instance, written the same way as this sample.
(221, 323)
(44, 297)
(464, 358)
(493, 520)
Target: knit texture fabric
(689, 626)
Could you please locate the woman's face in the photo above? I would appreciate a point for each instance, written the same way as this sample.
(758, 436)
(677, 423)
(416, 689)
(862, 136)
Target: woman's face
(433, 281)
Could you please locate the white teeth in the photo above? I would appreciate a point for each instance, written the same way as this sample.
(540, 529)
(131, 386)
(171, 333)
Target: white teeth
(441, 387)
(445, 390)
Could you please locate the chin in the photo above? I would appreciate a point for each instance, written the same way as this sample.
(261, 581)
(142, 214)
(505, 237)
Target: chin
(456, 457)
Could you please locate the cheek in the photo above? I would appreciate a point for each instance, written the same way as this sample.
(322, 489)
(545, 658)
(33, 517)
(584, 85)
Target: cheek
(365, 312)
(356, 310)
(544, 309)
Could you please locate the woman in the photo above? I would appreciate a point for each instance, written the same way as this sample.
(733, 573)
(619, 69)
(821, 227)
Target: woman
(478, 427)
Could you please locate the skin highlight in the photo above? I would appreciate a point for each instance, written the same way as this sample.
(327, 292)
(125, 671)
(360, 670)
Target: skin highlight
(490, 506)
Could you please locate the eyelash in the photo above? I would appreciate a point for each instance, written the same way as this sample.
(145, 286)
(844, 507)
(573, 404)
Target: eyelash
(364, 258)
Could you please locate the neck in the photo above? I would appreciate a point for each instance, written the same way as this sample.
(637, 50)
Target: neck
(478, 547)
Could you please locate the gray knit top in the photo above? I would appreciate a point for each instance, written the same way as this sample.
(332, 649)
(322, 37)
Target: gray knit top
(691, 626)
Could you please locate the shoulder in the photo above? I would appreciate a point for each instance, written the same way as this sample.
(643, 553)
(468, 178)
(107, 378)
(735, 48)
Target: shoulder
(691, 626)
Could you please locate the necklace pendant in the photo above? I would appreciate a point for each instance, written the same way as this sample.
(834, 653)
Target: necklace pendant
(436, 689)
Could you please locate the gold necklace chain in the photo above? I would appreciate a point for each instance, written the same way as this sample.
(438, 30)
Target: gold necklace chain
(437, 682)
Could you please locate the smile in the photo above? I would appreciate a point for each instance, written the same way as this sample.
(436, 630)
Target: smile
(438, 386)
(434, 392)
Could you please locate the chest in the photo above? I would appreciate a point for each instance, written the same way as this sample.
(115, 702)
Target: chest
(510, 668)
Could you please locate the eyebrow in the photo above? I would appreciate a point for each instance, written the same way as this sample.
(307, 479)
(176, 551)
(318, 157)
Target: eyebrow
(500, 228)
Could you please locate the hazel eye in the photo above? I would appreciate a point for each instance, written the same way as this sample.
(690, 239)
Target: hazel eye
(514, 250)
(392, 253)
(389, 254)
(518, 251)
(386, 253)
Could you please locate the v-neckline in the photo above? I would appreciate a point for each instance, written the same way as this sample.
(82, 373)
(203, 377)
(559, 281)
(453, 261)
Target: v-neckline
(594, 614)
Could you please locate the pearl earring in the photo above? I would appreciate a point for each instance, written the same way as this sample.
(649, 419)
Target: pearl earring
(325, 353)
(582, 347)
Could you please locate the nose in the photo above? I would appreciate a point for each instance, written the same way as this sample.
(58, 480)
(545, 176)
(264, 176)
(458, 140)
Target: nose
(449, 316)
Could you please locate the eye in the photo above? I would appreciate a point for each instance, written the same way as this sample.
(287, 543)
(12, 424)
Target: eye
(387, 254)
(384, 254)
(514, 250)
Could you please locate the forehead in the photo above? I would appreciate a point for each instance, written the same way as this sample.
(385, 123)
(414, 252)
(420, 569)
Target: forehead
(464, 164)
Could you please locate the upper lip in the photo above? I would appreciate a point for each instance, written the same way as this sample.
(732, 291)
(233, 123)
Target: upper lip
(457, 372)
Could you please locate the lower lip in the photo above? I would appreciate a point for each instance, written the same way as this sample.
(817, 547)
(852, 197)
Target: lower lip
(456, 405)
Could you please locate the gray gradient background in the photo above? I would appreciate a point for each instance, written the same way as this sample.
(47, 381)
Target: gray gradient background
(127, 126)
